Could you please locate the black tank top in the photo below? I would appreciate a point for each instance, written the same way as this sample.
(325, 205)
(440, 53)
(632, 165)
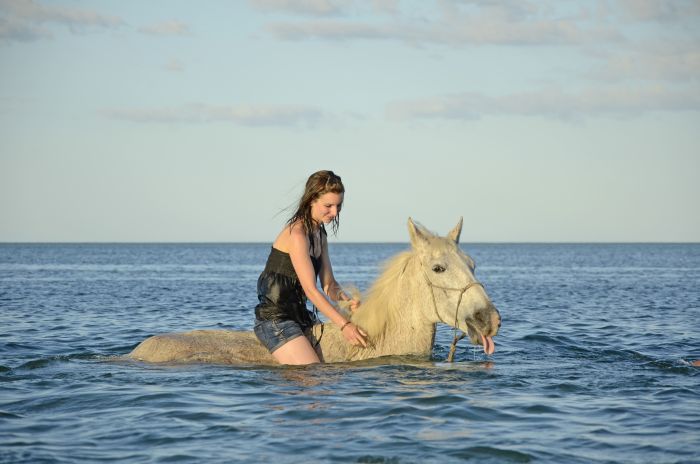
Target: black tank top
(280, 294)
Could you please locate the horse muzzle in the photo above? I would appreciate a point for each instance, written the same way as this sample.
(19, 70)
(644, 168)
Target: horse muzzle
(483, 326)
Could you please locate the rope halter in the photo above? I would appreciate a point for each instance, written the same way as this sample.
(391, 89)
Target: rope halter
(462, 291)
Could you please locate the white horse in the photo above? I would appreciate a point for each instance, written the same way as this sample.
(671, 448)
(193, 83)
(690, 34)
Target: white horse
(431, 283)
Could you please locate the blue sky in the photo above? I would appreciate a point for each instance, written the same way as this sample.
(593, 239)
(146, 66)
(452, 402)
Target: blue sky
(199, 121)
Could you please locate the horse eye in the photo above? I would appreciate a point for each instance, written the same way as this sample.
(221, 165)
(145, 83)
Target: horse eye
(437, 268)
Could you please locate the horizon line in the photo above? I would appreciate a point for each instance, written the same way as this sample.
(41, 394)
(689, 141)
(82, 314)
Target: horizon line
(214, 242)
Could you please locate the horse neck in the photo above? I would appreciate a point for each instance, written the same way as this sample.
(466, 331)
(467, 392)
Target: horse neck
(393, 313)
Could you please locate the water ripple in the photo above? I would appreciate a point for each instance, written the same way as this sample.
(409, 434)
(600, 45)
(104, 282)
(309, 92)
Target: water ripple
(591, 363)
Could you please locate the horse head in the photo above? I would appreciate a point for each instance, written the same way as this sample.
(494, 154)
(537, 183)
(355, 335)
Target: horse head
(456, 297)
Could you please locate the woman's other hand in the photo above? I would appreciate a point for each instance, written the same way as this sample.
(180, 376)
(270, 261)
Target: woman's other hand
(354, 335)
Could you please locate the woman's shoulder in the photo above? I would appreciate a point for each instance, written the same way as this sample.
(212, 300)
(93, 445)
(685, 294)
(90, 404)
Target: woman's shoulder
(292, 233)
(296, 230)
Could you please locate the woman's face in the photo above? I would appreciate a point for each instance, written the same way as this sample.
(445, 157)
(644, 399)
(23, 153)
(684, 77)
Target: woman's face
(326, 207)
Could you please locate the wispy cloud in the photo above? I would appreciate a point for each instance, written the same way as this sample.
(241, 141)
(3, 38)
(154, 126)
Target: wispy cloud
(21, 31)
(617, 102)
(326, 7)
(24, 20)
(174, 65)
(659, 10)
(472, 22)
(246, 115)
(452, 22)
(455, 32)
(303, 7)
(633, 56)
(332, 30)
(656, 61)
(166, 28)
(386, 6)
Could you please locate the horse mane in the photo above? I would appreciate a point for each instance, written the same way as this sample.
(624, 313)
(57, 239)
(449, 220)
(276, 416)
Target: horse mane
(380, 308)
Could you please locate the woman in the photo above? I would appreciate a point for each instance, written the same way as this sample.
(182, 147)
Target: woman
(299, 256)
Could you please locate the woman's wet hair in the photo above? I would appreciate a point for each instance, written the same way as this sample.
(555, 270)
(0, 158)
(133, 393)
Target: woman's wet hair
(319, 183)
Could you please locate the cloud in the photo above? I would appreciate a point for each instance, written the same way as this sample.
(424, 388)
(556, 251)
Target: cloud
(456, 23)
(174, 65)
(332, 30)
(303, 7)
(386, 6)
(652, 61)
(27, 19)
(245, 115)
(21, 31)
(325, 7)
(513, 9)
(166, 28)
(476, 22)
(30, 10)
(659, 10)
(549, 103)
(465, 33)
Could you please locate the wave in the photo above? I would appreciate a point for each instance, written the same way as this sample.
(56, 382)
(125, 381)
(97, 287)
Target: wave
(40, 363)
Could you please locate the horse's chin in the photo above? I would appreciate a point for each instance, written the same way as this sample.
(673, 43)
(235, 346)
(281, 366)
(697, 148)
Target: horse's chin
(477, 338)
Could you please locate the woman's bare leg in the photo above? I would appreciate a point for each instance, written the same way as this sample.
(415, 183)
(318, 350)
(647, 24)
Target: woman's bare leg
(297, 351)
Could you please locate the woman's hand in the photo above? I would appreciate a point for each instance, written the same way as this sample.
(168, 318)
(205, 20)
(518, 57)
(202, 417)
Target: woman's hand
(354, 335)
(353, 304)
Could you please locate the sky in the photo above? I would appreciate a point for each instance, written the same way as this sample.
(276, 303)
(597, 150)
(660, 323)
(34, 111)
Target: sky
(184, 121)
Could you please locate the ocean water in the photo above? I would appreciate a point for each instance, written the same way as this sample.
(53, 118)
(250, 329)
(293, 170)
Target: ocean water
(591, 364)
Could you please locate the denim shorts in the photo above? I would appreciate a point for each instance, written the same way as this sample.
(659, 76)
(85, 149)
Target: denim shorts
(275, 333)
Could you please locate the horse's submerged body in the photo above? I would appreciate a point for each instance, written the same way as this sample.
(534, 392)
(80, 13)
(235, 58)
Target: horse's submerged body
(432, 283)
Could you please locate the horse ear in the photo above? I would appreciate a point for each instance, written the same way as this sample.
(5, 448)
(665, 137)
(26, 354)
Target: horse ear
(418, 238)
(454, 233)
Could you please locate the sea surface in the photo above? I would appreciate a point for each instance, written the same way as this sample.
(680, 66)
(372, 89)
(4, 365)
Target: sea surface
(591, 363)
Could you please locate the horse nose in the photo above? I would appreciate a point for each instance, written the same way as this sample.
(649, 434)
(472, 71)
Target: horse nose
(491, 319)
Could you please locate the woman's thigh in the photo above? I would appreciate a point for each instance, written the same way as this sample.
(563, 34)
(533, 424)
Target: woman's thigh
(296, 351)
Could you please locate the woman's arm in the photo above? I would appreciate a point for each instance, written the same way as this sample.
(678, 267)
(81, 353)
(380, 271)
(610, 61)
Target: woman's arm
(330, 286)
(299, 253)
